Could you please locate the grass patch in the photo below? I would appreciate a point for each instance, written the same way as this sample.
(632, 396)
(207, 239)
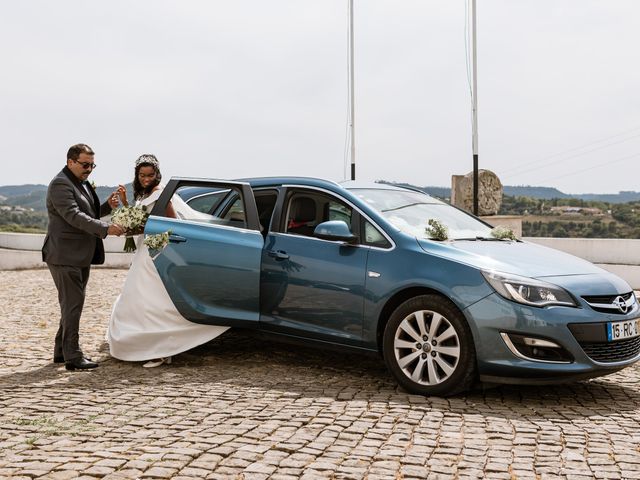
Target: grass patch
(50, 426)
(13, 228)
(30, 441)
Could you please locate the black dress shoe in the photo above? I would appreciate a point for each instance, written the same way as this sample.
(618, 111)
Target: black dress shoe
(80, 364)
(60, 359)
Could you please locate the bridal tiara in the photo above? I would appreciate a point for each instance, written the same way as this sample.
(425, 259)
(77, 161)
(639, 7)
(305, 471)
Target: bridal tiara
(147, 158)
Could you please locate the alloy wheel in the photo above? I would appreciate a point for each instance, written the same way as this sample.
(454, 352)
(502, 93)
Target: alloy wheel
(426, 347)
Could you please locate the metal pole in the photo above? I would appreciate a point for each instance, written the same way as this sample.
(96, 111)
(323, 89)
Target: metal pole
(474, 95)
(352, 114)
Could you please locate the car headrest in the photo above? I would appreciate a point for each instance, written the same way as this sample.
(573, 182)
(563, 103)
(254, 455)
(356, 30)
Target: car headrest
(303, 209)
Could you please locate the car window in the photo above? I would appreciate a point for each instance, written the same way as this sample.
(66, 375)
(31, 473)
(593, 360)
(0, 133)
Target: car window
(234, 210)
(228, 210)
(207, 202)
(302, 215)
(373, 236)
(266, 203)
(307, 210)
(339, 211)
(410, 212)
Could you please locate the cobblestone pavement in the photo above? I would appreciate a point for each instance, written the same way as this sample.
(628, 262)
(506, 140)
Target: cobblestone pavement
(243, 408)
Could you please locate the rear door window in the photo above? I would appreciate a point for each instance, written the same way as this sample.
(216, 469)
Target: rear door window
(216, 207)
(208, 201)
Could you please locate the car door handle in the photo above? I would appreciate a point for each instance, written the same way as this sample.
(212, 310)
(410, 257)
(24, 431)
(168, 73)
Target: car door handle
(278, 255)
(176, 239)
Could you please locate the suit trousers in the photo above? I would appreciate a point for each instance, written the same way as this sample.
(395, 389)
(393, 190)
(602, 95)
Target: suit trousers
(71, 283)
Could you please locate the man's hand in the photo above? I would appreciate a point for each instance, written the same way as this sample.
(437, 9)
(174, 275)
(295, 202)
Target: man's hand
(113, 200)
(115, 230)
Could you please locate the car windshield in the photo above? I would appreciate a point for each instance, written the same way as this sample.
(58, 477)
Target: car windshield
(410, 212)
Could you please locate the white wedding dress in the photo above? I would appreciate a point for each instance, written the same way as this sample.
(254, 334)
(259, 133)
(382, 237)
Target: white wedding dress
(144, 323)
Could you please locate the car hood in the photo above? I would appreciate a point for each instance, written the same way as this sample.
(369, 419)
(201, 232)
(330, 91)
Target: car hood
(531, 260)
(520, 258)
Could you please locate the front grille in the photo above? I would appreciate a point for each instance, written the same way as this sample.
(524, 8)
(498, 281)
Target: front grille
(604, 303)
(608, 352)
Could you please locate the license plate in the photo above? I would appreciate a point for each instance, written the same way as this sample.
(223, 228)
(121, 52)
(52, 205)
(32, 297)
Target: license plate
(622, 330)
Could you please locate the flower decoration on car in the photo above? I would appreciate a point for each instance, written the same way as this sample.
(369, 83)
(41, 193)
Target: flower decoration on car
(503, 233)
(156, 243)
(436, 230)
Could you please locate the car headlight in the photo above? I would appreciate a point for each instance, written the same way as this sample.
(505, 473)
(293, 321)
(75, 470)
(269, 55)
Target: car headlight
(528, 291)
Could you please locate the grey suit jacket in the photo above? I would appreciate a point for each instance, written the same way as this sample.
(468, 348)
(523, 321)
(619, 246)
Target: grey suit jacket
(75, 231)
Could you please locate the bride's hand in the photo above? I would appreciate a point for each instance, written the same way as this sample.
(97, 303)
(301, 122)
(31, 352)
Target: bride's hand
(122, 194)
(113, 200)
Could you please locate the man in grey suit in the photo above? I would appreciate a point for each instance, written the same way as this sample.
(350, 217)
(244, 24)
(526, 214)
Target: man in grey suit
(73, 243)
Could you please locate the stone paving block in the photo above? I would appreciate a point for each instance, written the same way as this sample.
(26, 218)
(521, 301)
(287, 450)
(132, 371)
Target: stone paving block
(159, 472)
(63, 475)
(259, 468)
(110, 462)
(99, 471)
(414, 471)
(127, 473)
(195, 472)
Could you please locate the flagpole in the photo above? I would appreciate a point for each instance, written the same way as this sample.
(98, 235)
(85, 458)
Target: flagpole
(351, 95)
(474, 96)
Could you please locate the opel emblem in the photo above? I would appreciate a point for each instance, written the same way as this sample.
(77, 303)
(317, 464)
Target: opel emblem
(621, 304)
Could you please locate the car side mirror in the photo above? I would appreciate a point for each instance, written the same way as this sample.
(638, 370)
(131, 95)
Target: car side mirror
(336, 230)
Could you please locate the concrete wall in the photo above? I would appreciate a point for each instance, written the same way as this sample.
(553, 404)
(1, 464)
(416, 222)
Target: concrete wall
(21, 251)
(597, 250)
(27, 260)
(34, 242)
(619, 256)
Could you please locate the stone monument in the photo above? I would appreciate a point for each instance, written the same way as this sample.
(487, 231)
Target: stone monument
(489, 199)
(489, 192)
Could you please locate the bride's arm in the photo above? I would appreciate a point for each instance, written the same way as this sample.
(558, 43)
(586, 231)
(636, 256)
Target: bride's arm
(170, 212)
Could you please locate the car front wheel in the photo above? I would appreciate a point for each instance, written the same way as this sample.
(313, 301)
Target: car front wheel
(428, 347)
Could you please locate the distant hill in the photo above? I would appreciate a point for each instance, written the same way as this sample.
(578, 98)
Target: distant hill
(33, 196)
(542, 193)
(621, 197)
(15, 190)
(547, 193)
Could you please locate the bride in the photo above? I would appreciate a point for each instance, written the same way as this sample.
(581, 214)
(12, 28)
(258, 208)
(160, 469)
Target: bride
(145, 325)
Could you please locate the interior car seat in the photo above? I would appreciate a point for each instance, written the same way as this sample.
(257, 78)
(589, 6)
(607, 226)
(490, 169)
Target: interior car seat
(302, 217)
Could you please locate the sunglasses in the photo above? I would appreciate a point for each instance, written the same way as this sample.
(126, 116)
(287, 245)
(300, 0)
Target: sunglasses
(86, 165)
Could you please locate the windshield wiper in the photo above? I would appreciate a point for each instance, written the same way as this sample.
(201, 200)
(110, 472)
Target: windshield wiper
(405, 206)
(482, 239)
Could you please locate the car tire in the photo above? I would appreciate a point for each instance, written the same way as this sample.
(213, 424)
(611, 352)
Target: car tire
(428, 347)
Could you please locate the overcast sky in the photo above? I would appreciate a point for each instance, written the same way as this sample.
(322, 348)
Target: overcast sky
(230, 89)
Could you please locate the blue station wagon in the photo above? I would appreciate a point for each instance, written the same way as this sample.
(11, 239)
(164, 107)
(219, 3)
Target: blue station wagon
(352, 266)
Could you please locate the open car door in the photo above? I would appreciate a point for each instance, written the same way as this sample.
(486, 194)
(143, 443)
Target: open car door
(211, 266)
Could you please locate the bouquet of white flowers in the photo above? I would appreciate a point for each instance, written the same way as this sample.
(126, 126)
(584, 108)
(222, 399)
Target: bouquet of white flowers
(155, 243)
(132, 219)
